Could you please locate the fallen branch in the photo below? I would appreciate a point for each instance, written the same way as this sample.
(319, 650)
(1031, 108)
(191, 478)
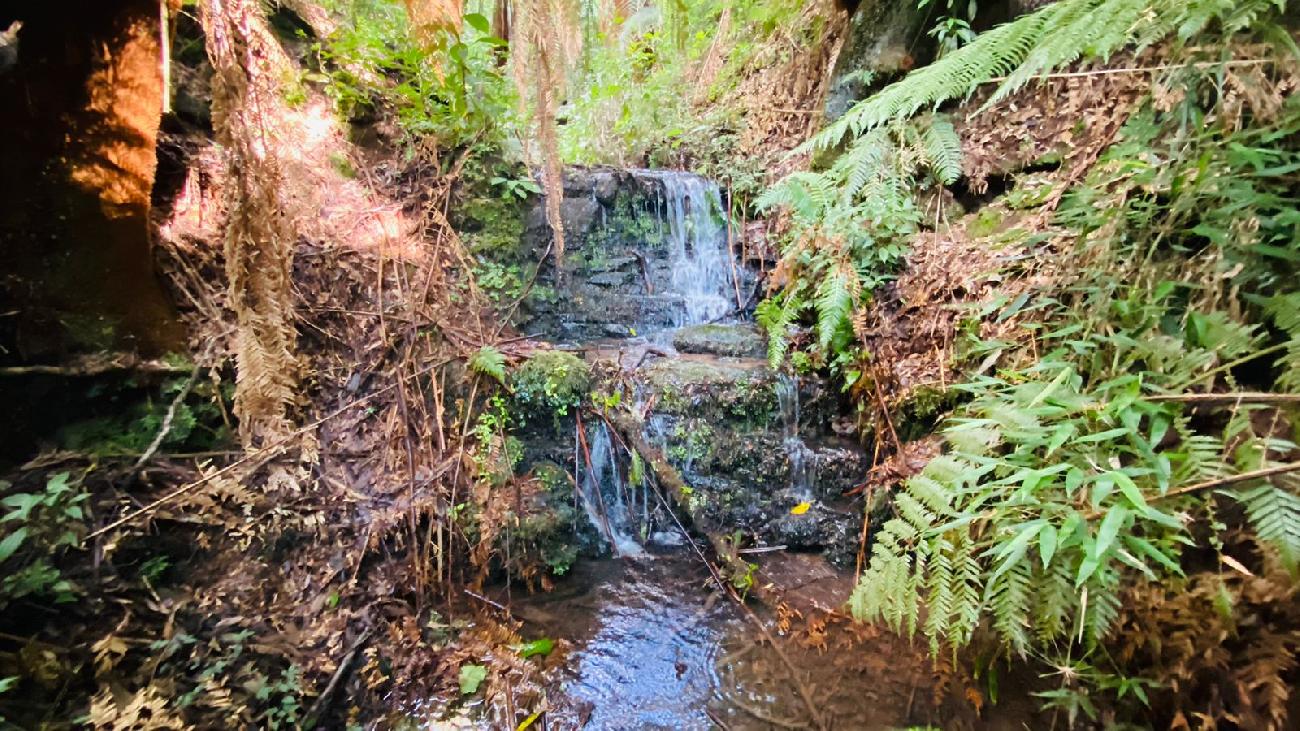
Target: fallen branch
(266, 452)
(167, 421)
(322, 703)
(632, 432)
(95, 367)
(1234, 479)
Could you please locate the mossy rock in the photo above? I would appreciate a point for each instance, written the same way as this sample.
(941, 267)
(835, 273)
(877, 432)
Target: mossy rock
(717, 390)
(550, 385)
(550, 533)
(732, 341)
(1031, 191)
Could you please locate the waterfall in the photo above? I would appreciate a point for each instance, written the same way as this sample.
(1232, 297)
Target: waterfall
(702, 268)
(801, 457)
(605, 494)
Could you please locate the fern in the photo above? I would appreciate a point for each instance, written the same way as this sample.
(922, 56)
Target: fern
(834, 304)
(1275, 515)
(490, 362)
(1041, 42)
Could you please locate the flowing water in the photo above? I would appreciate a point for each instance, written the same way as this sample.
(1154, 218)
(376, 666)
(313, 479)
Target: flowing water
(703, 269)
(646, 641)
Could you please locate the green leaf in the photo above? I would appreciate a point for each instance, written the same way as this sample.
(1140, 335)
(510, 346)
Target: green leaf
(490, 362)
(1130, 490)
(471, 677)
(478, 22)
(22, 504)
(1047, 544)
(1101, 490)
(12, 542)
(542, 646)
(1110, 527)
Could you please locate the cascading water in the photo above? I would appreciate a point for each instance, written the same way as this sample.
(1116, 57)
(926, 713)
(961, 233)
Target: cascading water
(801, 457)
(696, 228)
(605, 496)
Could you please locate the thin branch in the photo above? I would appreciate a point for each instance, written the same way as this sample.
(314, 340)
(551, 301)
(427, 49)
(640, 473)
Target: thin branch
(1136, 70)
(167, 420)
(1258, 397)
(1234, 479)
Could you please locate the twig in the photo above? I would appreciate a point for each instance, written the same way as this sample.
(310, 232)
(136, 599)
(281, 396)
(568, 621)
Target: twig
(322, 702)
(1244, 396)
(1233, 479)
(591, 473)
(1232, 364)
(487, 601)
(167, 420)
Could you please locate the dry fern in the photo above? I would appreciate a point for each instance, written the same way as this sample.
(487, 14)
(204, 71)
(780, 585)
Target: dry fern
(259, 234)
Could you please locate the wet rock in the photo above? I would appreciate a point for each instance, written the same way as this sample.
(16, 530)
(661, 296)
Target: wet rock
(609, 279)
(715, 389)
(549, 533)
(730, 340)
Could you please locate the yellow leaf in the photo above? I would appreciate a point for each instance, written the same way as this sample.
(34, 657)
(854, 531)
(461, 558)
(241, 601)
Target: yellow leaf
(800, 509)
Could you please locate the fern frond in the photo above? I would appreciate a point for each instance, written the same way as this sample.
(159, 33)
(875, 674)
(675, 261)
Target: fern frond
(1054, 36)
(942, 148)
(490, 362)
(834, 303)
(1274, 513)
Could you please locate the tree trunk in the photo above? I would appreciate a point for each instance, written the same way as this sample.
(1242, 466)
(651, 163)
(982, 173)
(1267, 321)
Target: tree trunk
(81, 98)
(428, 17)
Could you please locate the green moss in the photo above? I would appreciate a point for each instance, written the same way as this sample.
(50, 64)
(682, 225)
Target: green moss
(986, 223)
(550, 385)
(690, 441)
(1031, 191)
(920, 413)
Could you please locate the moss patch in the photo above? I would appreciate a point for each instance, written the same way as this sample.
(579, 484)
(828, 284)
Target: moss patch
(550, 385)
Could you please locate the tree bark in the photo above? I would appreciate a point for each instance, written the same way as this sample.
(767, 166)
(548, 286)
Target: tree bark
(81, 101)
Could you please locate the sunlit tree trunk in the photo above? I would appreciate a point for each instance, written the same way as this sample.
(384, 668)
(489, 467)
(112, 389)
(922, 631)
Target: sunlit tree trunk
(428, 17)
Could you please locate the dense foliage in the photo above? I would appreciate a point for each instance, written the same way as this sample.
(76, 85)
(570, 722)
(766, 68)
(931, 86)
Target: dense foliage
(1096, 457)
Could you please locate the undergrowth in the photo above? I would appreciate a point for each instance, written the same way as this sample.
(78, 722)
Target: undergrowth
(1136, 437)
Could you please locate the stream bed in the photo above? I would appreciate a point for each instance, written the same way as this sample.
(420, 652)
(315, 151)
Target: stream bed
(655, 299)
(648, 643)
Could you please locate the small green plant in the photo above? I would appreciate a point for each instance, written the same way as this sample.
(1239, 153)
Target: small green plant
(41, 527)
(551, 384)
(952, 30)
(519, 188)
(282, 698)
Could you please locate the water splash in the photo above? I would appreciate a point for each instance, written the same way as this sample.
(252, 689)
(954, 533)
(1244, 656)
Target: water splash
(696, 224)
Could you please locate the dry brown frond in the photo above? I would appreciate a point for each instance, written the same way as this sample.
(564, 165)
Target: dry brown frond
(545, 33)
(259, 236)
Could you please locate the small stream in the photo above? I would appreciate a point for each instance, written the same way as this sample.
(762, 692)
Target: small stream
(645, 640)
